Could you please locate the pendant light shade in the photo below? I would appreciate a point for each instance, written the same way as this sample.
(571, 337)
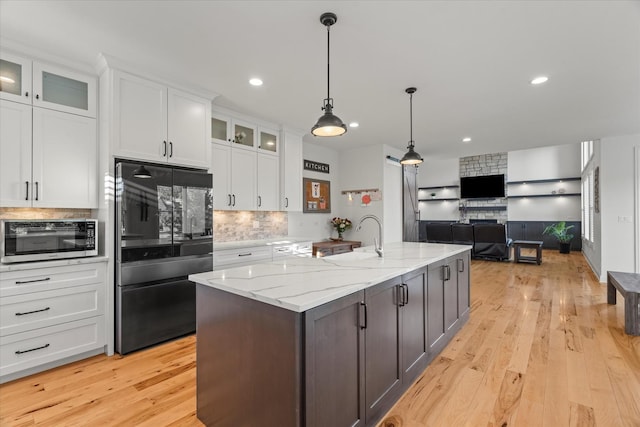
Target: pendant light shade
(329, 124)
(411, 157)
(141, 172)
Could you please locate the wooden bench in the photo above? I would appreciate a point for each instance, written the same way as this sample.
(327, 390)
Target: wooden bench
(530, 244)
(629, 286)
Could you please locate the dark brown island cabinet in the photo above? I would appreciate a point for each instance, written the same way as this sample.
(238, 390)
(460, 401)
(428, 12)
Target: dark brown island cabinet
(344, 363)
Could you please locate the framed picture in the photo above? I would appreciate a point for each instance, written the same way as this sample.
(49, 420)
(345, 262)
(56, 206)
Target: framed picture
(316, 197)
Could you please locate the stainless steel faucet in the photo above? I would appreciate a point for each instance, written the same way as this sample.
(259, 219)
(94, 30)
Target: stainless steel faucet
(378, 248)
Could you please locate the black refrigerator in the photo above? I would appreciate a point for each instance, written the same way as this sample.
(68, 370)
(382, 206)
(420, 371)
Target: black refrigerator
(164, 232)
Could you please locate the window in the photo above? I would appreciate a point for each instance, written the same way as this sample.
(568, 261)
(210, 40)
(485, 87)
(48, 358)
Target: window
(587, 207)
(587, 153)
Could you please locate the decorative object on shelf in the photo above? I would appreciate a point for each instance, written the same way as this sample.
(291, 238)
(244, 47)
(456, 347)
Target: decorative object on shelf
(329, 124)
(316, 196)
(240, 136)
(560, 231)
(341, 225)
(411, 157)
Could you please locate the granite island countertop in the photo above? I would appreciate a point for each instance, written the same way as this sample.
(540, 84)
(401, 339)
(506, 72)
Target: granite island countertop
(301, 283)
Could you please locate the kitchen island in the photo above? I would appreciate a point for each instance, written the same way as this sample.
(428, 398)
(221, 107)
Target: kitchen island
(325, 341)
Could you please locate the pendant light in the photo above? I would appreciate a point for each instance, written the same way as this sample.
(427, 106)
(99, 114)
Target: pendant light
(329, 124)
(411, 157)
(141, 172)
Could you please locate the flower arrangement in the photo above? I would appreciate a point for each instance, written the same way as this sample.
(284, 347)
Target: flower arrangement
(341, 225)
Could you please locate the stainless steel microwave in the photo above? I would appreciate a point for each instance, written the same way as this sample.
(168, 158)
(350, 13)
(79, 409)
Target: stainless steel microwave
(47, 239)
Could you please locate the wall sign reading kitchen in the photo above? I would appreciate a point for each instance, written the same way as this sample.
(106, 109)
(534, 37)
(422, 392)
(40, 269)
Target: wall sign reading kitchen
(310, 165)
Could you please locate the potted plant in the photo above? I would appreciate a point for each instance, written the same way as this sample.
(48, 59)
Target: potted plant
(560, 231)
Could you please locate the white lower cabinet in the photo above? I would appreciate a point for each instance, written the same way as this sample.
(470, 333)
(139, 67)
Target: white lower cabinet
(49, 314)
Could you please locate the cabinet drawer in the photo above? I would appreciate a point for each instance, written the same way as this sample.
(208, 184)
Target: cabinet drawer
(21, 313)
(233, 257)
(33, 348)
(48, 278)
(341, 249)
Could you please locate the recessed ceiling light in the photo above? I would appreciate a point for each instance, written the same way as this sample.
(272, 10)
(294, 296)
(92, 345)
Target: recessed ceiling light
(539, 80)
(255, 82)
(466, 139)
(7, 79)
(354, 124)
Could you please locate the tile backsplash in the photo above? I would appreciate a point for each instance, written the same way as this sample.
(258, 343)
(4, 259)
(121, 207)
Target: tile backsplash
(34, 213)
(229, 226)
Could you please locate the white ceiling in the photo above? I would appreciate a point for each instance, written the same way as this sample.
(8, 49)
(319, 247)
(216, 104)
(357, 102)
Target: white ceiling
(470, 60)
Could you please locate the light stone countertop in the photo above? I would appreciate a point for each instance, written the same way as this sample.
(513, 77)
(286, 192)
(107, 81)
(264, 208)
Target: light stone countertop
(23, 266)
(220, 246)
(301, 283)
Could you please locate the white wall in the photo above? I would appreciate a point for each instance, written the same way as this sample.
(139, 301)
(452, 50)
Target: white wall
(367, 168)
(593, 250)
(433, 173)
(560, 161)
(618, 183)
(316, 226)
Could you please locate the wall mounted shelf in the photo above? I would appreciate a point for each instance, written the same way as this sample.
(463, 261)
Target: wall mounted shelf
(484, 208)
(439, 187)
(437, 200)
(543, 181)
(524, 196)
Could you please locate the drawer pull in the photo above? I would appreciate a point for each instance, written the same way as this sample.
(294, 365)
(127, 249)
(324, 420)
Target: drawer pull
(22, 282)
(34, 311)
(245, 254)
(31, 349)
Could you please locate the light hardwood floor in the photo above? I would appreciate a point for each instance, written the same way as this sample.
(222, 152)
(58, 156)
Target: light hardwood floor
(542, 348)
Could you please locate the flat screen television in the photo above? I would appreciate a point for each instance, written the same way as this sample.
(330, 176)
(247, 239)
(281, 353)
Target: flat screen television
(482, 187)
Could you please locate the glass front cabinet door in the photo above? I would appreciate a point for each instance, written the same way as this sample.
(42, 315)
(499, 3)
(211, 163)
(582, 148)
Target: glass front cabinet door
(268, 141)
(47, 86)
(63, 90)
(15, 79)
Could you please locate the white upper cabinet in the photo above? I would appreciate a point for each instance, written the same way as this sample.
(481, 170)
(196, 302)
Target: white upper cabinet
(268, 141)
(47, 158)
(15, 78)
(15, 154)
(64, 170)
(291, 172)
(234, 178)
(47, 86)
(160, 124)
(267, 182)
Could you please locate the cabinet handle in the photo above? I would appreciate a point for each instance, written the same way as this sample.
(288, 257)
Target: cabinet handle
(245, 254)
(164, 154)
(400, 295)
(460, 265)
(22, 282)
(26, 94)
(446, 272)
(36, 184)
(229, 204)
(405, 287)
(234, 200)
(286, 202)
(259, 201)
(32, 349)
(170, 149)
(37, 96)
(27, 192)
(34, 311)
(363, 309)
